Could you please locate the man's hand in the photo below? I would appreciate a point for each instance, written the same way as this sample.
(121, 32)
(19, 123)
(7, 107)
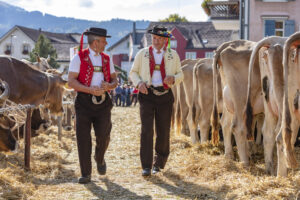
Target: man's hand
(106, 86)
(169, 80)
(143, 88)
(97, 91)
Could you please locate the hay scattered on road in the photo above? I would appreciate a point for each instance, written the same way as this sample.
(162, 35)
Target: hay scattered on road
(192, 172)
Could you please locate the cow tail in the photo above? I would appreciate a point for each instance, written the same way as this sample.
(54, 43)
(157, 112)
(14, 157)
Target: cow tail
(195, 91)
(215, 114)
(176, 119)
(248, 113)
(286, 126)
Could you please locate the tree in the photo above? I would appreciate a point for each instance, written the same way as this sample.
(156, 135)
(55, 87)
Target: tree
(205, 7)
(43, 48)
(174, 18)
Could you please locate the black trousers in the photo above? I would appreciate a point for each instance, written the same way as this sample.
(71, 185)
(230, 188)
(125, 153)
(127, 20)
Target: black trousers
(134, 98)
(118, 99)
(158, 109)
(89, 114)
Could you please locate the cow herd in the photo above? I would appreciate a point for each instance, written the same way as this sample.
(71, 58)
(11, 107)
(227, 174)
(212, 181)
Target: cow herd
(249, 90)
(22, 82)
(247, 86)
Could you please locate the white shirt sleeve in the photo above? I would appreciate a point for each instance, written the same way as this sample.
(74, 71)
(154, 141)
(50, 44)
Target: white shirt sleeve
(112, 66)
(75, 64)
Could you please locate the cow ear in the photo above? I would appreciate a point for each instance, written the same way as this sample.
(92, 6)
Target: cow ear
(48, 58)
(38, 59)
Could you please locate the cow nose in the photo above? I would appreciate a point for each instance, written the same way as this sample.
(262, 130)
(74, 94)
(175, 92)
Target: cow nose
(16, 148)
(45, 126)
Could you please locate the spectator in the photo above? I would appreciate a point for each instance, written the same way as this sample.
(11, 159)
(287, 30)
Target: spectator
(123, 95)
(134, 95)
(118, 95)
(128, 94)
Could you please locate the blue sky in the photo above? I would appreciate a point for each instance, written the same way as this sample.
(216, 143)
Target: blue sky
(100, 10)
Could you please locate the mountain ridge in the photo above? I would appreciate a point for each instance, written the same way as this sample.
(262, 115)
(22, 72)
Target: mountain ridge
(13, 15)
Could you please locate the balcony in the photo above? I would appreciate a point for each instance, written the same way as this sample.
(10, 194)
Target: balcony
(225, 14)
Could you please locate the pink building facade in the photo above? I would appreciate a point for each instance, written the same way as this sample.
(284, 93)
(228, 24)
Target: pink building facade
(273, 17)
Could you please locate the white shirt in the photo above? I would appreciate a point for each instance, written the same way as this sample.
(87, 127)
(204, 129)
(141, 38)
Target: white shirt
(156, 76)
(96, 60)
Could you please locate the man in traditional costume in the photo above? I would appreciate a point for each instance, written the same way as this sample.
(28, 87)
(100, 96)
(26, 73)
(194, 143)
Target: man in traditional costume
(154, 71)
(92, 75)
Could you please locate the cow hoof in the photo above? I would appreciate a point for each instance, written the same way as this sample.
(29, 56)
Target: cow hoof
(185, 132)
(68, 128)
(229, 156)
(245, 164)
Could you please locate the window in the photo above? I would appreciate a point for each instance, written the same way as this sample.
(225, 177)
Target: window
(173, 44)
(190, 55)
(209, 54)
(7, 50)
(275, 0)
(25, 49)
(279, 27)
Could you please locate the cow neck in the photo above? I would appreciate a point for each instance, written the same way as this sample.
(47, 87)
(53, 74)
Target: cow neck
(48, 89)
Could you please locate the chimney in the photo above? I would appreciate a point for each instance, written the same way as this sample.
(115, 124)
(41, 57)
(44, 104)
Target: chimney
(134, 33)
(40, 29)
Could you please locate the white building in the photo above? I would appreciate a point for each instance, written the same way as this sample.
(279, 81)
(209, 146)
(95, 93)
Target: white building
(124, 50)
(19, 41)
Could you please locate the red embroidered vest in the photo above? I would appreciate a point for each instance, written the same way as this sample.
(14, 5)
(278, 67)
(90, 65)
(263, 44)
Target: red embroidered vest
(162, 67)
(87, 68)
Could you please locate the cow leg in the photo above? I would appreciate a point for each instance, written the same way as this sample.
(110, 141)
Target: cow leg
(227, 134)
(259, 125)
(240, 139)
(281, 159)
(295, 129)
(204, 127)
(184, 124)
(192, 126)
(269, 141)
(242, 146)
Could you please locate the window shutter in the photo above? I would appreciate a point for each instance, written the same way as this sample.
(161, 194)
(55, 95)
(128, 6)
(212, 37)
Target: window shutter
(269, 27)
(289, 28)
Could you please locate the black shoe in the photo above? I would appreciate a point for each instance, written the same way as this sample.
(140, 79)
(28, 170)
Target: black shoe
(101, 168)
(155, 170)
(84, 179)
(146, 172)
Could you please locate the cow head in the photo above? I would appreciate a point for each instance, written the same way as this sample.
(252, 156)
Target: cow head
(7, 141)
(56, 90)
(4, 91)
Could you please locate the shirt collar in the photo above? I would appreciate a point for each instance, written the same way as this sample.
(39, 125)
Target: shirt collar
(93, 53)
(161, 50)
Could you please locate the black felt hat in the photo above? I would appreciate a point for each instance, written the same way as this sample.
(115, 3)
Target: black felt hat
(96, 31)
(160, 31)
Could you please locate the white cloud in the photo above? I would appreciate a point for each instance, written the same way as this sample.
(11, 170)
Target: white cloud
(126, 9)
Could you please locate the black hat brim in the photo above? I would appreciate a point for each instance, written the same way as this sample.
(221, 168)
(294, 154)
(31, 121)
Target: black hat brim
(154, 33)
(95, 33)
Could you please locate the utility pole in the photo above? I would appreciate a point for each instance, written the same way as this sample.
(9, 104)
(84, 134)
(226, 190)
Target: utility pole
(242, 19)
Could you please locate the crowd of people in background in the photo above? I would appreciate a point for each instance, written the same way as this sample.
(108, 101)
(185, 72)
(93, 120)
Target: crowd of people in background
(125, 95)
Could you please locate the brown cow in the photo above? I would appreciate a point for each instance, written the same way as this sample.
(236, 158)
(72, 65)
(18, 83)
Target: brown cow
(7, 140)
(180, 103)
(233, 60)
(269, 50)
(291, 111)
(29, 86)
(188, 91)
(203, 96)
(41, 64)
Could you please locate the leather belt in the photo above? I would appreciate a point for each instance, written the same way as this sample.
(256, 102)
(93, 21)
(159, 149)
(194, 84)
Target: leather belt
(97, 68)
(159, 91)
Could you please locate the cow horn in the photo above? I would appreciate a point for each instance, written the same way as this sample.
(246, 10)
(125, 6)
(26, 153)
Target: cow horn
(38, 59)
(48, 58)
(5, 94)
